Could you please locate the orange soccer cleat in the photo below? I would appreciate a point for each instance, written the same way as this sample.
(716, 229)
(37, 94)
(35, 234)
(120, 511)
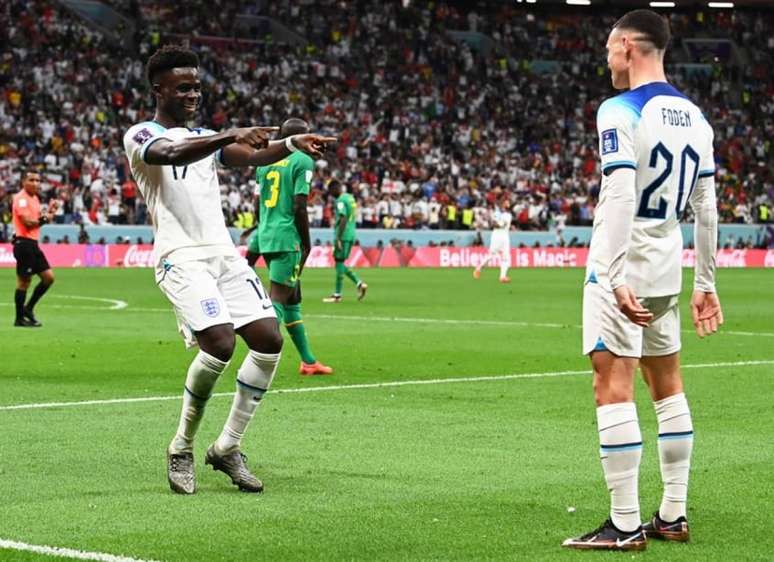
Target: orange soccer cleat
(476, 274)
(315, 368)
(505, 279)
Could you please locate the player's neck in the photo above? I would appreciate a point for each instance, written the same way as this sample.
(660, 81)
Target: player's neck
(648, 70)
(167, 121)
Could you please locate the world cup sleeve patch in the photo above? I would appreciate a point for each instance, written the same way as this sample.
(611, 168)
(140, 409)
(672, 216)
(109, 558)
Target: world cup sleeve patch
(609, 141)
(142, 136)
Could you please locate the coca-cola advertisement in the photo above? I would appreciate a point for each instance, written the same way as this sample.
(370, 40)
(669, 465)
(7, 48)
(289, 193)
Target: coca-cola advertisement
(141, 255)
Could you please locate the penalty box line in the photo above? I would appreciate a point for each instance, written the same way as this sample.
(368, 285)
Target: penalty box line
(387, 384)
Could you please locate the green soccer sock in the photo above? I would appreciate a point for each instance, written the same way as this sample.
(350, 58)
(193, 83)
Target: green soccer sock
(297, 331)
(340, 269)
(352, 275)
(280, 311)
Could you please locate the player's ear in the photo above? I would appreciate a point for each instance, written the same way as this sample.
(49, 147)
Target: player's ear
(156, 89)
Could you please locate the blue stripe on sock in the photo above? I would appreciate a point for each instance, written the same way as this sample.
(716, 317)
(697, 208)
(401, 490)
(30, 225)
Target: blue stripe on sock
(621, 447)
(188, 390)
(675, 435)
(253, 388)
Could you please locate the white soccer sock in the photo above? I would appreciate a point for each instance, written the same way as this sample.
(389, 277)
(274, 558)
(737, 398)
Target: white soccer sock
(202, 376)
(504, 265)
(253, 380)
(483, 262)
(620, 450)
(675, 444)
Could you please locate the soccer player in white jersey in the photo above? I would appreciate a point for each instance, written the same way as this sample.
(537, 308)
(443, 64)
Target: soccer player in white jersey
(215, 294)
(499, 243)
(656, 151)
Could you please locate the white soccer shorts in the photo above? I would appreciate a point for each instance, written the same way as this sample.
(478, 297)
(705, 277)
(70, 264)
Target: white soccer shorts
(500, 245)
(607, 328)
(208, 292)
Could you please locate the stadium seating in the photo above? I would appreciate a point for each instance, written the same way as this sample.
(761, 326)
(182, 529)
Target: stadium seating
(440, 116)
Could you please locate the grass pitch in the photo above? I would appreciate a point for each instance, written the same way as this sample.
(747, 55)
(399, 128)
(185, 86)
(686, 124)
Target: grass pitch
(445, 470)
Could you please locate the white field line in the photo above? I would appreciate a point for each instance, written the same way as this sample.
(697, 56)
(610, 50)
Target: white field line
(66, 552)
(446, 321)
(115, 304)
(388, 384)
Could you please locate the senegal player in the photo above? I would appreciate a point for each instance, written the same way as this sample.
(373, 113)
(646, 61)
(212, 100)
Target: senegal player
(344, 236)
(283, 239)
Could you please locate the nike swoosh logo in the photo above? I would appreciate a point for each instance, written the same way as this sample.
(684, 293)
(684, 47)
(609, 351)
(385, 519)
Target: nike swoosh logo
(619, 543)
(267, 307)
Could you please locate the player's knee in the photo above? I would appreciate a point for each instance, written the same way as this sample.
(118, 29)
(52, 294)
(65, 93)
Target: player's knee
(606, 393)
(220, 344)
(272, 342)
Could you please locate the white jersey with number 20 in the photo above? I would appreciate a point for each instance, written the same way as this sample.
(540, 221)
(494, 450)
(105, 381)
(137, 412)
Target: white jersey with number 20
(658, 132)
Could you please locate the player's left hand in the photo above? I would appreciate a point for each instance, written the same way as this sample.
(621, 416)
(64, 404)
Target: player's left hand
(312, 144)
(706, 312)
(631, 307)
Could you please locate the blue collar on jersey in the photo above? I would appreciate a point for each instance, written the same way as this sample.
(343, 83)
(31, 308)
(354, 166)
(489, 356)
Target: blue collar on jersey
(638, 97)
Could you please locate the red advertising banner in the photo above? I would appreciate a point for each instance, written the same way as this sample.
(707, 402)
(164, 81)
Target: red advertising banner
(141, 255)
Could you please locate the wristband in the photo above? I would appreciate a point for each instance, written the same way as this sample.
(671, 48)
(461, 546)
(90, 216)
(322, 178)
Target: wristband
(289, 144)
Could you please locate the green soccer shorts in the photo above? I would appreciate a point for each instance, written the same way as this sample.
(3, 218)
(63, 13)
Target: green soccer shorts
(253, 246)
(284, 267)
(343, 254)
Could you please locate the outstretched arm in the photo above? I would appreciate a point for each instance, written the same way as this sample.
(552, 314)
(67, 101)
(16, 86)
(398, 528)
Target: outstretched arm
(186, 151)
(238, 155)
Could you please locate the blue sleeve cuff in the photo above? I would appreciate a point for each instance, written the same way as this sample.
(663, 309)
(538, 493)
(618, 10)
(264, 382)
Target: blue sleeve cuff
(610, 167)
(147, 146)
(706, 173)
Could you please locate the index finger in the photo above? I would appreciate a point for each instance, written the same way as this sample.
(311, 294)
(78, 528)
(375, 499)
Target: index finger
(318, 138)
(268, 129)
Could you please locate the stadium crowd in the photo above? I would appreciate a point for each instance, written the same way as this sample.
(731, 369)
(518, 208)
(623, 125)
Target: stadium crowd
(433, 132)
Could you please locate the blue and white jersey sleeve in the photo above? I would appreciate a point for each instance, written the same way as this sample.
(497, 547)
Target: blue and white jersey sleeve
(616, 121)
(139, 138)
(707, 158)
(218, 156)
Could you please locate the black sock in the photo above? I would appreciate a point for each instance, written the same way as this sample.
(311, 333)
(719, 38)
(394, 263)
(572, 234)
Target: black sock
(19, 298)
(40, 290)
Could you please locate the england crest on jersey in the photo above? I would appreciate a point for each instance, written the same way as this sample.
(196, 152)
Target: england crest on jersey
(609, 141)
(211, 307)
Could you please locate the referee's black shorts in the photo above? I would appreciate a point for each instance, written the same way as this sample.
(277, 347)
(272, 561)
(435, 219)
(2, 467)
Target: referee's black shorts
(30, 259)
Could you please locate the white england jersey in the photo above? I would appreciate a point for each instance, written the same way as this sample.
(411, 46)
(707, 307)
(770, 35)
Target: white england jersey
(501, 220)
(183, 201)
(658, 132)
